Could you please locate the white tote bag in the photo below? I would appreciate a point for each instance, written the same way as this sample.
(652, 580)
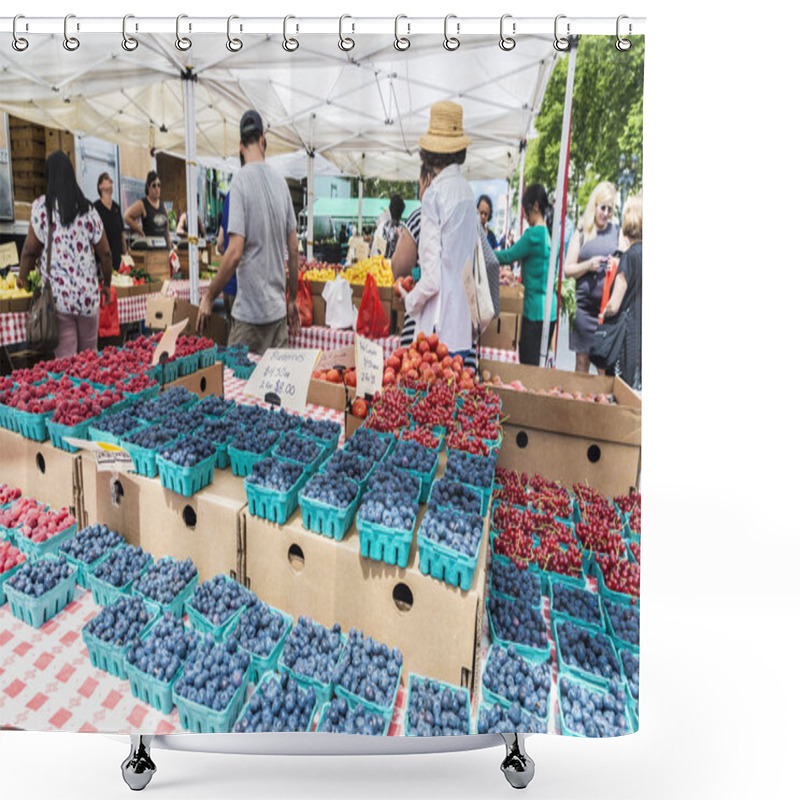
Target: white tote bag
(478, 289)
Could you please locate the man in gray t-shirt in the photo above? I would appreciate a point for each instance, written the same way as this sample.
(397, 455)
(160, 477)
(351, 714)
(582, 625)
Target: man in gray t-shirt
(262, 229)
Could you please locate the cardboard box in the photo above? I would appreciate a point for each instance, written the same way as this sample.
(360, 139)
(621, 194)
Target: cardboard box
(570, 440)
(329, 395)
(113, 499)
(154, 262)
(205, 381)
(502, 332)
(163, 311)
(318, 310)
(4, 307)
(512, 299)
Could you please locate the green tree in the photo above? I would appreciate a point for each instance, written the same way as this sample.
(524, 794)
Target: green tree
(606, 119)
(376, 187)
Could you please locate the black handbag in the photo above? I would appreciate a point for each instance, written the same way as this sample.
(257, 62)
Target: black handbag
(42, 325)
(608, 341)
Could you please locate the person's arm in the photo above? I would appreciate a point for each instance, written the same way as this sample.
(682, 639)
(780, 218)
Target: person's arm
(31, 250)
(133, 217)
(519, 251)
(617, 294)
(292, 313)
(576, 269)
(201, 229)
(221, 241)
(183, 223)
(227, 269)
(405, 255)
(102, 253)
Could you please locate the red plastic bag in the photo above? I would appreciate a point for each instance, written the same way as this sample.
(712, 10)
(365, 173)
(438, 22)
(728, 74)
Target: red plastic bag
(372, 319)
(108, 321)
(608, 283)
(304, 304)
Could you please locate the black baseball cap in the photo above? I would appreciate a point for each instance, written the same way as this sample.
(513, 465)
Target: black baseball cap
(251, 122)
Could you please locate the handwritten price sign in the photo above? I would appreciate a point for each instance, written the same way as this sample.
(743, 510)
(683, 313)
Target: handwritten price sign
(109, 457)
(369, 367)
(285, 373)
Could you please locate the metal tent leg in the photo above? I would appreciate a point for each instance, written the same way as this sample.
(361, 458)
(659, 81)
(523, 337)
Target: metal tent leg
(138, 768)
(518, 766)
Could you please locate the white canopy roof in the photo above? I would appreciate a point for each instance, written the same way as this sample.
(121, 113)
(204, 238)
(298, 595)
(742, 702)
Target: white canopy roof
(363, 110)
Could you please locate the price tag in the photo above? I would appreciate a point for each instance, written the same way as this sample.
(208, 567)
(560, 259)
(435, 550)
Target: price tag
(168, 341)
(341, 357)
(369, 367)
(109, 457)
(8, 255)
(285, 373)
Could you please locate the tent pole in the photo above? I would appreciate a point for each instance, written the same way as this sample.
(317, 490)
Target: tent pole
(189, 80)
(310, 206)
(561, 198)
(523, 146)
(360, 202)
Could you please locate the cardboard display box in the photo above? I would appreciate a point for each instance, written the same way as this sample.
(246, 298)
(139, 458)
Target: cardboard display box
(163, 311)
(502, 333)
(154, 287)
(113, 499)
(570, 440)
(154, 262)
(329, 395)
(205, 381)
(512, 299)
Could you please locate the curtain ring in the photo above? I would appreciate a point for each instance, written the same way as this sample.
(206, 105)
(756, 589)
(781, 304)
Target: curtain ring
(507, 42)
(183, 43)
(561, 43)
(233, 44)
(622, 44)
(290, 44)
(20, 43)
(70, 42)
(451, 43)
(401, 43)
(346, 43)
(129, 43)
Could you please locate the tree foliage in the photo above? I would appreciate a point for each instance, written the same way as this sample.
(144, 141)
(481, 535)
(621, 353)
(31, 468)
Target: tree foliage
(606, 119)
(376, 187)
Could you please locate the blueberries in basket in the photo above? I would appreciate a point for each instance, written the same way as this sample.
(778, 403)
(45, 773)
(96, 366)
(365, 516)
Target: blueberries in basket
(454, 529)
(413, 456)
(436, 709)
(499, 719)
(453, 494)
(163, 652)
(312, 650)
(510, 580)
(388, 478)
(331, 490)
(281, 420)
(391, 511)
(259, 629)
(593, 712)
(166, 401)
(151, 437)
(213, 406)
(217, 430)
(368, 444)
(298, 448)
(369, 669)
(166, 579)
(118, 424)
(37, 578)
(348, 465)
(219, 598)
(120, 623)
(515, 621)
(123, 564)
(624, 620)
(507, 674)
(189, 452)
(591, 652)
(472, 470)
(89, 544)
(279, 703)
(630, 665)
(326, 430)
(249, 415)
(183, 421)
(576, 603)
(254, 439)
(213, 674)
(273, 473)
(340, 717)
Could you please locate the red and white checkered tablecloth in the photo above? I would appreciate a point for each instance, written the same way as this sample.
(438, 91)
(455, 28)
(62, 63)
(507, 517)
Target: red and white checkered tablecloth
(180, 289)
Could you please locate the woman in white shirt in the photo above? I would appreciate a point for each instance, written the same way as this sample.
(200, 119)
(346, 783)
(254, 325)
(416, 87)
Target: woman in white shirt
(449, 231)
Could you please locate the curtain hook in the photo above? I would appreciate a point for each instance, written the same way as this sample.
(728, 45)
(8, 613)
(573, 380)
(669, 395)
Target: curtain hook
(20, 43)
(451, 43)
(129, 43)
(183, 43)
(561, 43)
(507, 42)
(70, 42)
(401, 43)
(623, 44)
(290, 44)
(233, 44)
(346, 43)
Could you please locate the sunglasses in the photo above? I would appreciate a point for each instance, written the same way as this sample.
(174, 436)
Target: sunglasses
(606, 209)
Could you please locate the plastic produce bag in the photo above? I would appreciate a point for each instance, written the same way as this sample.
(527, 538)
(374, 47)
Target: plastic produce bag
(340, 312)
(108, 320)
(372, 319)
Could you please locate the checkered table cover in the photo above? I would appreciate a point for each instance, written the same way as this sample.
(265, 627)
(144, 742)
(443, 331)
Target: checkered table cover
(180, 289)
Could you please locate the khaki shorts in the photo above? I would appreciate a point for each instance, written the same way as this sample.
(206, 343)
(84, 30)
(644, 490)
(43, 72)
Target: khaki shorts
(259, 338)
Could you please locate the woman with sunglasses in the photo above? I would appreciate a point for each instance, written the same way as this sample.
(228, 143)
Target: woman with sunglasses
(587, 259)
(148, 216)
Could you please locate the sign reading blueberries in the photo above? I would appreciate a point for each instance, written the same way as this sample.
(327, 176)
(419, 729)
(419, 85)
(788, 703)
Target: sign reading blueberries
(109, 457)
(286, 373)
(369, 367)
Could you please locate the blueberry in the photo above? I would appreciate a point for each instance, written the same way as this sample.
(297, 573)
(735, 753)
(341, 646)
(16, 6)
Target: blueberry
(458, 531)
(369, 669)
(120, 623)
(165, 580)
(331, 490)
(436, 709)
(509, 675)
(217, 599)
(576, 603)
(123, 564)
(312, 650)
(37, 578)
(586, 650)
(276, 474)
(91, 543)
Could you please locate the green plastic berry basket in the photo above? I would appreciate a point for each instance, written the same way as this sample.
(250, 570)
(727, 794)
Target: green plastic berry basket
(151, 690)
(58, 433)
(425, 480)
(492, 697)
(445, 564)
(353, 699)
(186, 481)
(609, 626)
(324, 711)
(198, 718)
(145, 459)
(260, 665)
(271, 504)
(104, 593)
(8, 418)
(34, 551)
(207, 357)
(633, 703)
(323, 690)
(111, 657)
(330, 521)
(32, 426)
(204, 625)
(176, 606)
(458, 690)
(546, 575)
(263, 680)
(575, 671)
(83, 568)
(242, 461)
(222, 459)
(610, 594)
(501, 560)
(309, 467)
(3, 578)
(528, 722)
(555, 614)
(243, 371)
(600, 692)
(188, 364)
(143, 394)
(381, 543)
(35, 611)
(536, 655)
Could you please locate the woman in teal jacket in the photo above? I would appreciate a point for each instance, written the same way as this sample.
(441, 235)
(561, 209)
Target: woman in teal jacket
(533, 253)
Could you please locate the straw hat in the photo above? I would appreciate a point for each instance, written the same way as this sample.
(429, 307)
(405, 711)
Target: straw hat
(445, 130)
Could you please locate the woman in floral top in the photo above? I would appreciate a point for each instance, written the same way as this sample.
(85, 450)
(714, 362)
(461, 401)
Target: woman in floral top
(79, 243)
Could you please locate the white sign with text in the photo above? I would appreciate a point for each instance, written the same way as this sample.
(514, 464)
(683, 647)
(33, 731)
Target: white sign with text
(286, 373)
(369, 367)
(109, 457)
